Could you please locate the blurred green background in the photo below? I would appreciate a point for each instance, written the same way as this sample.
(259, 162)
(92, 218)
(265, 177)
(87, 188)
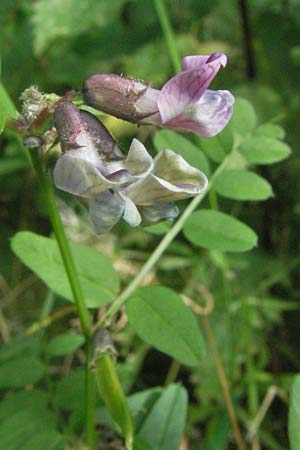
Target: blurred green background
(55, 44)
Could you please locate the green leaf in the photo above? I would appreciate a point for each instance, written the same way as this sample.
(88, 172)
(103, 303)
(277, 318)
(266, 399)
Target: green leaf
(20, 345)
(263, 150)
(164, 426)
(270, 130)
(48, 439)
(9, 165)
(294, 415)
(217, 433)
(159, 228)
(70, 391)
(64, 344)
(2, 121)
(243, 119)
(16, 430)
(166, 139)
(54, 19)
(217, 147)
(21, 372)
(7, 107)
(21, 400)
(141, 403)
(218, 231)
(242, 185)
(97, 276)
(160, 318)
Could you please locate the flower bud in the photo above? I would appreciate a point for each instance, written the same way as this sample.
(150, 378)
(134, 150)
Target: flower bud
(102, 139)
(75, 128)
(117, 96)
(69, 125)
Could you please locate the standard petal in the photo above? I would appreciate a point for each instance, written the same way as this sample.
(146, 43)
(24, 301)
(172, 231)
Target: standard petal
(80, 177)
(183, 90)
(197, 61)
(131, 214)
(155, 213)
(208, 116)
(138, 161)
(106, 210)
(172, 179)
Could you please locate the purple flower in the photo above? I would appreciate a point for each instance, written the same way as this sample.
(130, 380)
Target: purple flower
(134, 187)
(184, 103)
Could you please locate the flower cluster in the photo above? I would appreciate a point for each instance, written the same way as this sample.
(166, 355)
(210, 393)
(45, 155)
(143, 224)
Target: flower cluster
(136, 187)
(131, 187)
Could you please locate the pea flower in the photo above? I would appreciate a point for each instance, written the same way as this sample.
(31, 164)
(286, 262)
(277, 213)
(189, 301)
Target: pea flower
(184, 103)
(135, 187)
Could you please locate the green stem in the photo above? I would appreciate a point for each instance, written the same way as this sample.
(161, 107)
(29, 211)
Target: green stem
(168, 33)
(162, 246)
(90, 397)
(72, 275)
(172, 373)
(62, 242)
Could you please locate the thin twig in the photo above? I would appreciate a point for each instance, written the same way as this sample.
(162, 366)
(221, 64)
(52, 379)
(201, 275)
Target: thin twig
(272, 392)
(18, 290)
(37, 326)
(223, 381)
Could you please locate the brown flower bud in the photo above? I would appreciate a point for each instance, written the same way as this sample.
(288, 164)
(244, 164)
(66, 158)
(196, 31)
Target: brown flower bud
(115, 95)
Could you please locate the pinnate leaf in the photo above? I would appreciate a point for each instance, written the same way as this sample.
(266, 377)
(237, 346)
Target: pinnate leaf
(164, 426)
(219, 231)
(160, 318)
(264, 150)
(98, 279)
(64, 344)
(242, 185)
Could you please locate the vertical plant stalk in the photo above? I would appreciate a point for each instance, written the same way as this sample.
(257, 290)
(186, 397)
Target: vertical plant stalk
(72, 275)
(172, 373)
(223, 381)
(168, 33)
(248, 41)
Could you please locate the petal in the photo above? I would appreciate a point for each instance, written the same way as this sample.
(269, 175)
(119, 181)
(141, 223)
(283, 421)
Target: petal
(208, 116)
(138, 161)
(106, 211)
(131, 214)
(172, 168)
(80, 177)
(155, 213)
(172, 179)
(147, 103)
(183, 90)
(197, 61)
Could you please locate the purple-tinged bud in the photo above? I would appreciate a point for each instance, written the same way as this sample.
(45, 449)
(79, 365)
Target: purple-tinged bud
(117, 96)
(102, 139)
(78, 129)
(69, 125)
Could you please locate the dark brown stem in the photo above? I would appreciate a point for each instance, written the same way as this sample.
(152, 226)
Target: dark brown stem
(248, 41)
